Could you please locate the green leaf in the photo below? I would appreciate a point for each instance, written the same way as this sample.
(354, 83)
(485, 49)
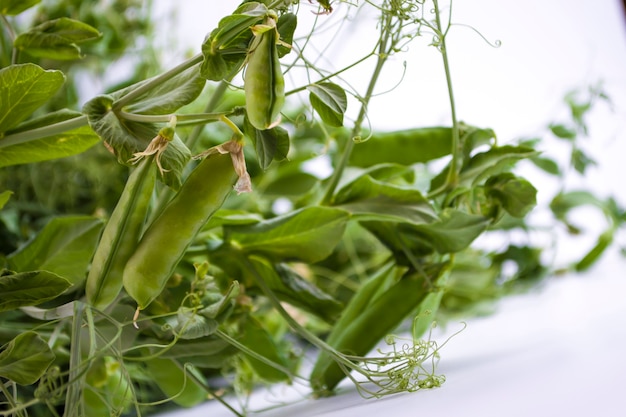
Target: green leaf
(269, 144)
(4, 198)
(292, 288)
(64, 247)
(126, 138)
(29, 288)
(482, 165)
(226, 47)
(25, 359)
(516, 195)
(15, 7)
(191, 325)
(604, 241)
(329, 101)
(581, 161)
(454, 231)
(308, 234)
(23, 89)
(56, 39)
(286, 27)
(369, 199)
(168, 96)
(546, 164)
(255, 337)
(18, 148)
(563, 132)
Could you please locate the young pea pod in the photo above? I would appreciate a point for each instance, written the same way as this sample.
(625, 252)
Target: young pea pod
(376, 318)
(264, 84)
(120, 236)
(167, 238)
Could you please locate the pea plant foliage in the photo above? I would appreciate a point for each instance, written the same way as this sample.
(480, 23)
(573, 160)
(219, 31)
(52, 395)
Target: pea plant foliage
(183, 281)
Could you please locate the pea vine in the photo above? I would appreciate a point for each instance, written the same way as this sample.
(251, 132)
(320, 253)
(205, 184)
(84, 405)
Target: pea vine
(168, 273)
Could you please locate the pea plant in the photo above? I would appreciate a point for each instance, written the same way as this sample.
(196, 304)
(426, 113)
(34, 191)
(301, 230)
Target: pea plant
(222, 259)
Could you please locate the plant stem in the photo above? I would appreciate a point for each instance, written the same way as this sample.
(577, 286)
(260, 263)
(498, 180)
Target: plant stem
(383, 54)
(456, 142)
(159, 79)
(42, 132)
(74, 389)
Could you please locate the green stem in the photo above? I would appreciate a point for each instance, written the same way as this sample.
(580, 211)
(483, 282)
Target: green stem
(456, 143)
(73, 397)
(182, 119)
(156, 81)
(356, 130)
(42, 132)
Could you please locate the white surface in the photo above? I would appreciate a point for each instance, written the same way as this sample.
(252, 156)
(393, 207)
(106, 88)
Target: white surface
(557, 351)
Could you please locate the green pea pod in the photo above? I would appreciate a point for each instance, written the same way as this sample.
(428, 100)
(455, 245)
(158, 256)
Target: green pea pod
(264, 84)
(120, 236)
(357, 337)
(167, 238)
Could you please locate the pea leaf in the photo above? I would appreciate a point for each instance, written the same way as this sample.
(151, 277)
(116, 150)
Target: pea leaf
(292, 288)
(4, 197)
(516, 195)
(56, 39)
(329, 101)
(25, 358)
(64, 247)
(308, 234)
(226, 47)
(563, 132)
(168, 96)
(455, 230)
(15, 7)
(124, 138)
(269, 144)
(286, 27)
(370, 199)
(23, 89)
(18, 147)
(482, 165)
(452, 232)
(29, 288)
(255, 337)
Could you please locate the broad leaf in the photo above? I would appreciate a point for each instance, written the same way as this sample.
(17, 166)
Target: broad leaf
(226, 47)
(269, 144)
(125, 138)
(308, 234)
(18, 148)
(64, 246)
(563, 132)
(168, 96)
(5, 196)
(286, 27)
(516, 195)
(255, 337)
(292, 288)
(15, 7)
(369, 199)
(454, 231)
(56, 39)
(23, 89)
(329, 101)
(485, 164)
(25, 359)
(29, 288)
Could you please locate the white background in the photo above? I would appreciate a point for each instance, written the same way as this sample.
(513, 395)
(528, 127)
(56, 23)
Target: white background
(555, 351)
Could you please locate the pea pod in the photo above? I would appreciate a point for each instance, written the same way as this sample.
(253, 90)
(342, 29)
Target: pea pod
(264, 84)
(167, 238)
(120, 236)
(384, 312)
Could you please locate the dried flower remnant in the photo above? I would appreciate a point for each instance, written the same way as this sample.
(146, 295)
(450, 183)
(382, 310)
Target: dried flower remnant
(157, 145)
